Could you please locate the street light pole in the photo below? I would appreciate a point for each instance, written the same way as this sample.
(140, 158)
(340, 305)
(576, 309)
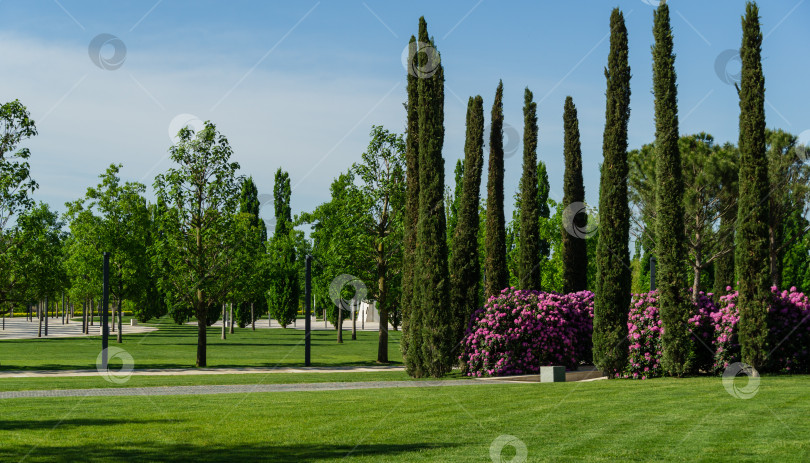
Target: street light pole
(105, 329)
(308, 312)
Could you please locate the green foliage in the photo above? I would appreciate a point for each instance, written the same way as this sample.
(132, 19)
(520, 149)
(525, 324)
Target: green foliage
(284, 290)
(413, 362)
(16, 188)
(670, 240)
(453, 203)
(38, 254)
(574, 248)
(612, 287)
(201, 234)
(122, 230)
(752, 251)
(465, 265)
(431, 276)
(529, 268)
(497, 272)
(382, 196)
(250, 295)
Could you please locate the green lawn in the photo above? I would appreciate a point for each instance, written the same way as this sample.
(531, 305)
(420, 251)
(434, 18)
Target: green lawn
(175, 346)
(96, 381)
(621, 420)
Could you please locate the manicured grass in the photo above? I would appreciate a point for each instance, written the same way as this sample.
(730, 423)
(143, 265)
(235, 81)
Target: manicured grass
(687, 420)
(83, 382)
(175, 346)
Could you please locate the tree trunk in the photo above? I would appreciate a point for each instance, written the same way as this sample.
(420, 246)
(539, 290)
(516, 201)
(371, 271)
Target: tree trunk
(39, 319)
(91, 313)
(224, 314)
(252, 318)
(340, 322)
(230, 318)
(382, 309)
(354, 321)
(46, 316)
(120, 313)
(201, 331)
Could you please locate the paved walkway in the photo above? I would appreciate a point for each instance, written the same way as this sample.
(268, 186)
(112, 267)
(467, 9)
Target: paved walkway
(20, 328)
(196, 371)
(316, 325)
(237, 389)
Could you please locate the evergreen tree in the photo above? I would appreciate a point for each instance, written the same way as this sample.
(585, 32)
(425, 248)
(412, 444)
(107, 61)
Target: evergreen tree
(431, 274)
(497, 272)
(411, 355)
(752, 214)
(574, 248)
(465, 269)
(612, 298)
(670, 240)
(544, 244)
(529, 261)
(284, 290)
(253, 304)
(453, 203)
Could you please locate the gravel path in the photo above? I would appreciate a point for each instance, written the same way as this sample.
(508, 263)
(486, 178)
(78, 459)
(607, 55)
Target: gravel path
(197, 371)
(237, 388)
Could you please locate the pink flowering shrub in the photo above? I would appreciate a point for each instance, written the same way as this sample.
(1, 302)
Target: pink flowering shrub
(645, 330)
(518, 331)
(789, 332)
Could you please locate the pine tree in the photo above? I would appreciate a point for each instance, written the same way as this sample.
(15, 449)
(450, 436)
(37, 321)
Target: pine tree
(465, 269)
(612, 288)
(497, 272)
(284, 291)
(752, 220)
(431, 274)
(254, 305)
(574, 248)
(670, 246)
(529, 259)
(411, 354)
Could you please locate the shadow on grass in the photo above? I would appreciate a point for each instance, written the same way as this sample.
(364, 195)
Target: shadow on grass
(28, 425)
(151, 451)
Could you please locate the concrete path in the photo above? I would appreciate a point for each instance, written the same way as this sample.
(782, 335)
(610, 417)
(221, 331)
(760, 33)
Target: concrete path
(20, 328)
(195, 371)
(237, 389)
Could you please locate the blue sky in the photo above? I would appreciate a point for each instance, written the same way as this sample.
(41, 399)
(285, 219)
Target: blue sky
(299, 84)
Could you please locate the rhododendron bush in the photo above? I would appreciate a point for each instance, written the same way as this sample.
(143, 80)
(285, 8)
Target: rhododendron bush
(645, 329)
(789, 337)
(518, 331)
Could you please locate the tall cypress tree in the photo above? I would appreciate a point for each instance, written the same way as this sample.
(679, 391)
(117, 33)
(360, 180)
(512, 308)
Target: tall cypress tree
(454, 201)
(612, 288)
(543, 190)
(752, 212)
(497, 273)
(670, 246)
(431, 274)
(465, 269)
(529, 259)
(574, 248)
(411, 354)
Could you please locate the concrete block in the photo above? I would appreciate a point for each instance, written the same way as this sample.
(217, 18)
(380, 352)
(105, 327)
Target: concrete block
(552, 374)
